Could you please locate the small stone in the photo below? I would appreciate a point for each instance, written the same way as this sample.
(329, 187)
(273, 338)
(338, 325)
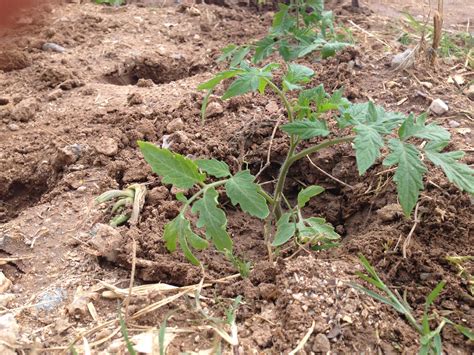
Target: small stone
(427, 84)
(321, 344)
(5, 283)
(134, 99)
(194, 11)
(4, 101)
(13, 127)
(272, 107)
(439, 107)
(9, 333)
(53, 47)
(107, 146)
(25, 110)
(175, 125)
(81, 189)
(68, 155)
(6, 298)
(145, 83)
(454, 124)
(214, 109)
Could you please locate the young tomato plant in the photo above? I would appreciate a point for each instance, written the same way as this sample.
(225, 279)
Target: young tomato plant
(372, 128)
(430, 340)
(298, 29)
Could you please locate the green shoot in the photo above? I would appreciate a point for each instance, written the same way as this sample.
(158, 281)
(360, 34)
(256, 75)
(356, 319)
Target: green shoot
(373, 132)
(128, 206)
(124, 331)
(430, 340)
(298, 29)
(459, 262)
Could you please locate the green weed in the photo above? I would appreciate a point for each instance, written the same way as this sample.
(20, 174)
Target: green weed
(430, 340)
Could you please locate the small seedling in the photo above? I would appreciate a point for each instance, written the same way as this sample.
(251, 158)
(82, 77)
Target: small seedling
(373, 129)
(430, 340)
(298, 29)
(459, 262)
(111, 2)
(128, 205)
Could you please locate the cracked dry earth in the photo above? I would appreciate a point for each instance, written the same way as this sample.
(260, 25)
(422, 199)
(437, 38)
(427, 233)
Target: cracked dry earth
(68, 131)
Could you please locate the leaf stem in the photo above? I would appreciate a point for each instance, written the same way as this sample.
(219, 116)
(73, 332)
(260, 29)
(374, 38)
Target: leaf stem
(283, 98)
(202, 191)
(290, 159)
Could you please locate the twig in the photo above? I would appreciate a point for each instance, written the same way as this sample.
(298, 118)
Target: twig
(269, 152)
(329, 175)
(370, 34)
(412, 230)
(303, 341)
(132, 277)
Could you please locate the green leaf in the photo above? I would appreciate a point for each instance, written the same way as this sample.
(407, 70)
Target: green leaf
(367, 145)
(179, 230)
(458, 173)
(244, 192)
(211, 84)
(306, 194)
(409, 174)
(235, 54)
(296, 74)
(239, 56)
(306, 129)
(412, 127)
(245, 83)
(174, 168)
(213, 219)
(433, 294)
(214, 167)
(330, 48)
(264, 48)
(285, 230)
(315, 228)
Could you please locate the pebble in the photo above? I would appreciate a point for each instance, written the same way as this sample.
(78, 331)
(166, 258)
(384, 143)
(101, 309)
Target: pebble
(107, 146)
(81, 188)
(272, 107)
(9, 333)
(321, 344)
(454, 124)
(214, 109)
(53, 47)
(6, 298)
(5, 283)
(13, 127)
(439, 107)
(25, 110)
(175, 125)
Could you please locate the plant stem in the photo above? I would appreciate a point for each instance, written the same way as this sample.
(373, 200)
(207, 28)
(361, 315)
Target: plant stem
(202, 191)
(283, 98)
(290, 159)
(318, 147)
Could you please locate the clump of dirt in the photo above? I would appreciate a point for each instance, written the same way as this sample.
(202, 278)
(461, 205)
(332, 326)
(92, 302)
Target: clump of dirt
(13, 60)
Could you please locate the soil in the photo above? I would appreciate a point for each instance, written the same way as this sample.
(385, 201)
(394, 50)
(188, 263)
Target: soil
(69, 122)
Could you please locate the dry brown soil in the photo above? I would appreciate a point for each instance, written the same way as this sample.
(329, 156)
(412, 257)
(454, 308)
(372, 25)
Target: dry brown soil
(69, 123)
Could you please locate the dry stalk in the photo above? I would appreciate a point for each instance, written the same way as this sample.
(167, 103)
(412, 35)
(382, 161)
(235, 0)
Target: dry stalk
(329, 175)
(406, 243)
